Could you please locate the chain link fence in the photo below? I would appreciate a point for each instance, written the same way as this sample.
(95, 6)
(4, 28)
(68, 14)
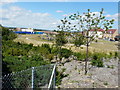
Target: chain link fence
(35, 77)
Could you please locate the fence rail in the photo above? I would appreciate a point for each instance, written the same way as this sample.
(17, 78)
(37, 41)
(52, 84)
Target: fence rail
(35, 77)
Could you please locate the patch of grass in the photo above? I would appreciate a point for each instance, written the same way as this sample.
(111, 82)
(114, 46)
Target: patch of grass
(79, 71)
(112, 66)
(105, 83)
(63, 69)
(75, 67)
(81, 47)
(73, 81)
(60, 76)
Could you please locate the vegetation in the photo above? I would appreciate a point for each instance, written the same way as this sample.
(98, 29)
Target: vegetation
(79, 40)
(19, 56)
(85, 23)
(60, 75)
(60, 40)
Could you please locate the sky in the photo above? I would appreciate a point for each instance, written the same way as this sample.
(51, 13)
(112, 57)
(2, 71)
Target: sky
(47, 15)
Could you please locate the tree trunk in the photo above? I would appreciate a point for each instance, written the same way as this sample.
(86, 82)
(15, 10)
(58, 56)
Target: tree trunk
(86, 58)
(60, 53)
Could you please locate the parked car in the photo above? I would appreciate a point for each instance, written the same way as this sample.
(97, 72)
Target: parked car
(117, 38)
(111, 40)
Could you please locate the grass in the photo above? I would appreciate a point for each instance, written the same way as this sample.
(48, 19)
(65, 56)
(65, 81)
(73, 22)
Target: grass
(103, 45)
(105, 83)
(100, 46)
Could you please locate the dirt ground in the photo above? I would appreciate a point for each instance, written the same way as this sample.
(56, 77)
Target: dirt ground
(102, 77)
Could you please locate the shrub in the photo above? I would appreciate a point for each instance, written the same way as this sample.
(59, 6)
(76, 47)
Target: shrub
(50, 56)
(105, 83)
(96, 41)
(47, 46)
(99, 55)
(65, 52)
(54, 50)
(81, 47)
(94, 62)
(116, 54)
(96, 59)
(44, 51)
(112, 66)
(79, 40)
(98, 63)
(60, 76)
(60, 39)
(80, 56)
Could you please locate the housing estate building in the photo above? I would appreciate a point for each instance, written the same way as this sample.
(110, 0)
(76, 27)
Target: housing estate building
(96, 34)
(111, 33)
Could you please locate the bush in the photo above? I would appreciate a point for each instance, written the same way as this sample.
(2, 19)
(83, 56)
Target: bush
(61, 39)
(80, 56)
(44, 51)
(55, 50)
(7, 34)
(60, 76)
(100, 63)
(79, 40)
(50, 56)
(99, 55)
(96, 60)
(96, 41)
(81, 47)
(65, 52)
(47, 46)
(97, 63)
(116, 54)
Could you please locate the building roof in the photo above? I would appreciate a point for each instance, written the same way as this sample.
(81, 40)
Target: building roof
(97, 30)
(111, 31)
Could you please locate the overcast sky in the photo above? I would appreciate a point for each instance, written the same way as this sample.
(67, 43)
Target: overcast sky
(47, 15)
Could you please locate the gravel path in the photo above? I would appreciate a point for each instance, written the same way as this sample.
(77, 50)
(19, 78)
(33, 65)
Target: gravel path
(103, 77)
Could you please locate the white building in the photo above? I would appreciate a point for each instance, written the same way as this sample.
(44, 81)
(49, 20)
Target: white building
(96, 34)
(27, 30)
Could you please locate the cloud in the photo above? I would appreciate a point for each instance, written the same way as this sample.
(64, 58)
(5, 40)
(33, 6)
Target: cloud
(114, 16)
(4, 2)
(19, 17)
(59, 11)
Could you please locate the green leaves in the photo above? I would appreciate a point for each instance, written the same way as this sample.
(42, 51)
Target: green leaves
(93, 14)
(60, 39)
(79, 40)
(110, 26)
(88, 10)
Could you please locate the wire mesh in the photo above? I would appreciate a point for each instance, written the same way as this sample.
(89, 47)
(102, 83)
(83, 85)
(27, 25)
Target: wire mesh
(37, 78)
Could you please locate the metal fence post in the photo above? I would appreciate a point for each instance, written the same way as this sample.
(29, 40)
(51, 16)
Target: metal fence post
(54, 78)
(32, 77)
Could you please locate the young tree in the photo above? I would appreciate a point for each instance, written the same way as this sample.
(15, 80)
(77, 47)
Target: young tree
(61, 37)
(87, 21)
